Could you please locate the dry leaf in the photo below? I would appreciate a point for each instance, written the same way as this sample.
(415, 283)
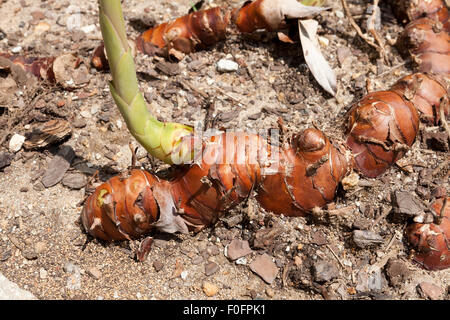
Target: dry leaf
(319, 67)
(275, 12)
(283, 37)
(292, 9)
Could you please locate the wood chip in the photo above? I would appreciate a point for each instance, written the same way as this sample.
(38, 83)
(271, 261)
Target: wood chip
(52, 131)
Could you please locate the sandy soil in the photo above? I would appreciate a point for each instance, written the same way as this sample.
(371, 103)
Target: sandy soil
(44, 248)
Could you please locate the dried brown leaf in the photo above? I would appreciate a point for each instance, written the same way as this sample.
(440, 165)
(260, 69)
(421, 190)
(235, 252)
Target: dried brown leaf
(316, 62)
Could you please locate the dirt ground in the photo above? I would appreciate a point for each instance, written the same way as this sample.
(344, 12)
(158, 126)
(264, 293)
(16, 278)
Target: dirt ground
(43, 247)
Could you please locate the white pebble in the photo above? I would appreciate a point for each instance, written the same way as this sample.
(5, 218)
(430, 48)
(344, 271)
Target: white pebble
(95, 109)
(224, 65)
(43, 273)
(242, 261)
(88, 29)
(16, 49)
(16, 142)
(299, 227)
(339, 14)
(184, 275)
(85, 114)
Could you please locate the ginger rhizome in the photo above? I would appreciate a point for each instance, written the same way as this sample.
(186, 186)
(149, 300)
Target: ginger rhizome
(380, 128)
(204, 28)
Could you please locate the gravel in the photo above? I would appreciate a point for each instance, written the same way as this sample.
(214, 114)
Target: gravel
(430, 291)
(74, 181)
(211, 268)
(16, 143)
(58, 166)
(238, 249)
(325, 271)
(224, 65)
(5, 159)
(264, 267)
(366, 238)
(272, 82)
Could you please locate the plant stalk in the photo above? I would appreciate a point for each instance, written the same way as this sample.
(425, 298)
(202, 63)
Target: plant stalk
(167, 141)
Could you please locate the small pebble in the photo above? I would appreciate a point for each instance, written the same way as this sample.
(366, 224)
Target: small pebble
(343, 53)
(38, 186)
(95, 109)
(237, 249)
(16, 49)
(241, 261)
(270, 292)
(74, 180)
(430, 291)
(39, 247)
(42, 27)
(5, 159)
(211, 268)
(405, 203)
(16, 143)
(264, 267)
(88, 29)
(213, 250)
(325, 271)
(61, 103)
(397, 271)
(94, 273)
(224, 65)
(158, 265)
(58, 166)
(74, 281)
(29, 253)
(43, 273)
(85, 114)
(350, 181)
(371, 282)
(79, 123)
(365, 238)
(197, 260)
(38, 15)
(210, 289)
(69, 267)
(339, 14)
(233, 220)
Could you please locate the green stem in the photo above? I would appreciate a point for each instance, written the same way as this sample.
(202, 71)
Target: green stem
(315, 3)
(167, 141)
